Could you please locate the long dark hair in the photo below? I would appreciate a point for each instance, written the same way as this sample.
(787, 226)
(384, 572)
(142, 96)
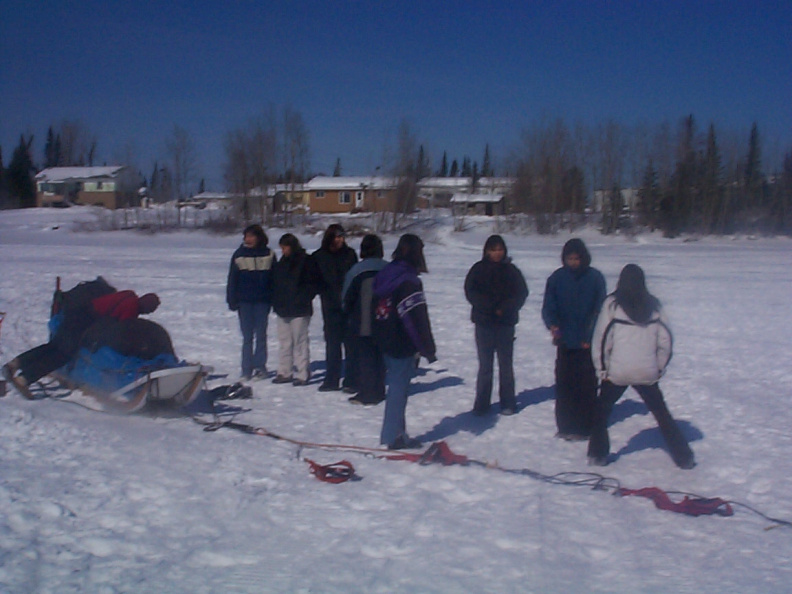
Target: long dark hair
(633, 296)
(258, 231)
(371, 247)
(290, 240)
(410, 249)
(334, 230)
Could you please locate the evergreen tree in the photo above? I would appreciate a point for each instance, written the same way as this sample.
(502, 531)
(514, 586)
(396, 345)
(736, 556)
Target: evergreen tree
(711, 189)
(50, 156)
(154, 184)
(443, 171)
(454, 169)
(3, 185)
(649, 197)
(783, 211)
(21, 186)
(677, 206)
(486, 166)
(466, 168)
(202, 186)
(754, 185)
(422, 165)
(337, 169)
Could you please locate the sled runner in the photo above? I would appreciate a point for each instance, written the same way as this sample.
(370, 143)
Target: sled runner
(173, 386)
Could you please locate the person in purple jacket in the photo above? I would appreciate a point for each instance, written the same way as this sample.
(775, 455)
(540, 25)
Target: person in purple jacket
(402, 330)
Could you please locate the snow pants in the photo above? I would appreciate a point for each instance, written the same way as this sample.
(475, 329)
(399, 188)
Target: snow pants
(398, 374)
(576, 391)
(599, 444)
(41, 360)
(491, 340)
(370, 372)
(293, 347)
(335, 338)
(253, 320)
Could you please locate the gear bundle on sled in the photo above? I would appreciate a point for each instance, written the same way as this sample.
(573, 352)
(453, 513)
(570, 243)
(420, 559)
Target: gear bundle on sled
(121, 365)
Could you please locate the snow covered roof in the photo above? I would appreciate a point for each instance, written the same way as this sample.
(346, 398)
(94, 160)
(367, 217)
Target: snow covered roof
(444, 182)
(321, 182)
(473, 198)
(463, 182)
(62, 174)
(215, 196)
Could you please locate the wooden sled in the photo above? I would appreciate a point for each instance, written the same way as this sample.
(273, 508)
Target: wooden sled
(176, 385)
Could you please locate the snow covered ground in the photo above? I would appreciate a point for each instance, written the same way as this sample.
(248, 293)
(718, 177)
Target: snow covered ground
(92, 502)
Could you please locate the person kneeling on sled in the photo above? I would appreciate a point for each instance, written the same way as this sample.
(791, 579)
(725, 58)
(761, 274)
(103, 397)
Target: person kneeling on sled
(632, 347)
(75, 318)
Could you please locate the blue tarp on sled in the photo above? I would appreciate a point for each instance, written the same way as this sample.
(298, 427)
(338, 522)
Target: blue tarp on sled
(107, 370)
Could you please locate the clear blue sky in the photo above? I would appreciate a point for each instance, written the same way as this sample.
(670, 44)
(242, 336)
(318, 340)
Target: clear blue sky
(463, 73)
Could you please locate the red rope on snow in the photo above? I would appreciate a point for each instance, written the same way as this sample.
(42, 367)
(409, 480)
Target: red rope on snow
(696, 506)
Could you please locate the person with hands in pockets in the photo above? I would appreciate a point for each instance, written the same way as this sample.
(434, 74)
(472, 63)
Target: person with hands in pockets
(632, 346)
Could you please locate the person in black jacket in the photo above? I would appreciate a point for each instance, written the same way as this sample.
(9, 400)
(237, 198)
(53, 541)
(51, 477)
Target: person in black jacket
(294, 281)
(496, 289)
(402, 331)
(333, 260)
(249, 293)
(357, 297)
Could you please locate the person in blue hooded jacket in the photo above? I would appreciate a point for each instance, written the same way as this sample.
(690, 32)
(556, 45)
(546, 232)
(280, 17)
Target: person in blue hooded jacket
(573, 296)
(402, 331)
(249, 293)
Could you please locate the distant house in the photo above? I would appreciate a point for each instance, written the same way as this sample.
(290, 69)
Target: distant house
(450, 191)
(629, 199)
(437, 191)
(480, 204)
(109, 186)
(348, 194)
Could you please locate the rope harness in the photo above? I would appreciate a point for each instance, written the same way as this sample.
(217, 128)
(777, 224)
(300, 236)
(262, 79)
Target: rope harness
(440, 453)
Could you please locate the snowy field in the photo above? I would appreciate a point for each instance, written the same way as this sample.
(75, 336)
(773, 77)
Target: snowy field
(91, 502)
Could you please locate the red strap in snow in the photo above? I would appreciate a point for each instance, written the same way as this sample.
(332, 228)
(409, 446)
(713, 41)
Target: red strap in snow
(693, 507)
(338, 472)
(438, 452)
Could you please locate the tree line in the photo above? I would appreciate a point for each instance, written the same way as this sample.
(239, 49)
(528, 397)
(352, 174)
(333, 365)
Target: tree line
(682, 178)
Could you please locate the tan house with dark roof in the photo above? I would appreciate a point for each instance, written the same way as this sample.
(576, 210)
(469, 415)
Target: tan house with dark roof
(113, 186)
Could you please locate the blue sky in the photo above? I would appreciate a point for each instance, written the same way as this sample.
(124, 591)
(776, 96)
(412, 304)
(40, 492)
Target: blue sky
(463, 73)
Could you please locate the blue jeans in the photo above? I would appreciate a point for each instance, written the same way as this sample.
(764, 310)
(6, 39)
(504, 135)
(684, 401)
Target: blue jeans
(253, 318)
(398, 374)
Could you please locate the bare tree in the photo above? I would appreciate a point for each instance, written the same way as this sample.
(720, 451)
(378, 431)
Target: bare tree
(183, 161)
(77, 144)
(295, 152)
(402, 160)
(251, 164)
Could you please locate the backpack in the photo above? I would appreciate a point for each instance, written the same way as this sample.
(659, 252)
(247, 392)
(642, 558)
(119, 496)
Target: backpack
(72, 312)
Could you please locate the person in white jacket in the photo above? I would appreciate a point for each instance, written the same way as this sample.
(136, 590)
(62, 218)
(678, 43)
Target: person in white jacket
(631, 346)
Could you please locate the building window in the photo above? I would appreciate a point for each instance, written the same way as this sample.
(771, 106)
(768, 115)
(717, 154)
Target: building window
(320, 193)
(344, 197)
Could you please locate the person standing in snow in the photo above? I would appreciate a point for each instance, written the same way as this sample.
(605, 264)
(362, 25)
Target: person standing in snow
(80, 308)
(334, 259)
(294, 281)
(357, 296)
(496, 290)
(249, 293)
(572, 300)
(632, 346)
(402, 330)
